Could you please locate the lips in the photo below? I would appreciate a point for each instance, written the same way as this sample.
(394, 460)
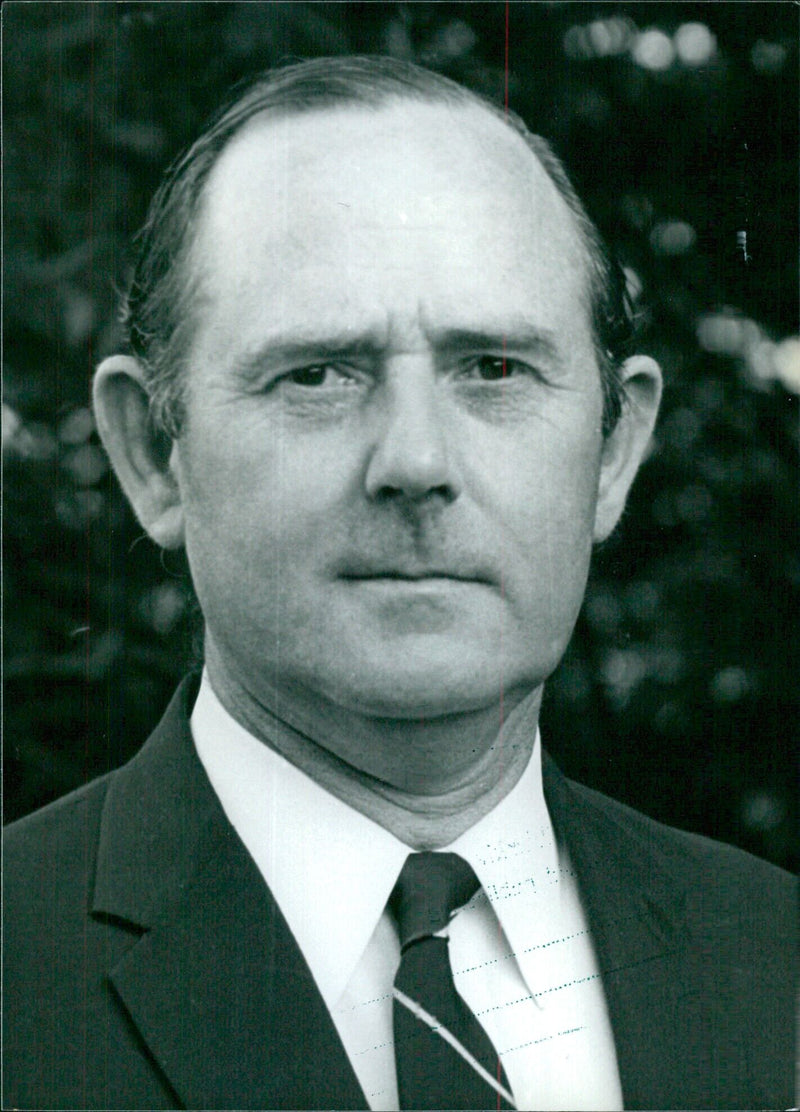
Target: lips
(416, 577)
(415, 572)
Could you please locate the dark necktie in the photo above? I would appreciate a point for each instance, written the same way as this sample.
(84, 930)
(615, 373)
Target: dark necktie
(444, 1057)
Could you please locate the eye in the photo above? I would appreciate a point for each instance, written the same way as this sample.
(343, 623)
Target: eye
(490, 368)
(317, 375)
(493, 368)
(310, 376)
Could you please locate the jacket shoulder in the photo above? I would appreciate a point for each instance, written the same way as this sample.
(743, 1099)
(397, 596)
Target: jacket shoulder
(66, 821)
(49, 861)
(67, 1041)
(720, 882)
(68, 828)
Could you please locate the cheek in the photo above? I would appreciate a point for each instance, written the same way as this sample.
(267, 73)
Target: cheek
(259, 503)
(545, 474)
(542, 511)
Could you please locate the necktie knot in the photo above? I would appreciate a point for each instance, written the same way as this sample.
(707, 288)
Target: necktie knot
(430, 888)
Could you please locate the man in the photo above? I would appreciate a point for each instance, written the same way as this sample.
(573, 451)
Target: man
(376, 388)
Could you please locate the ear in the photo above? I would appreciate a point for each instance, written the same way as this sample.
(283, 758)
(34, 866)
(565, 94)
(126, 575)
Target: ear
(624, 448)
(142, 458)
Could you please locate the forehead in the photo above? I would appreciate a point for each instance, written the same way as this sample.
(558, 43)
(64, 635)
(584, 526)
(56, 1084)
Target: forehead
(405, 205)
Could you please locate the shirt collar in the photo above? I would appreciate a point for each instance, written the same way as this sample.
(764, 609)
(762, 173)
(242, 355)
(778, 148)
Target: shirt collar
(331, 869)
(514, 852)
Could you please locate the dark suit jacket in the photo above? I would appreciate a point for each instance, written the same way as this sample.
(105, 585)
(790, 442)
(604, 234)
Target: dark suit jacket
(147, 965)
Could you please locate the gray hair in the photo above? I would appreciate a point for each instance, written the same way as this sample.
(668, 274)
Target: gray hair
(158, 310)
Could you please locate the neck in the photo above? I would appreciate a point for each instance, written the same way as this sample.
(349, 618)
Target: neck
(426, 781)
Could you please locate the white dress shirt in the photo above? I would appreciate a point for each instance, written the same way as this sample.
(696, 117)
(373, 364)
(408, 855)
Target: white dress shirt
(521, 952)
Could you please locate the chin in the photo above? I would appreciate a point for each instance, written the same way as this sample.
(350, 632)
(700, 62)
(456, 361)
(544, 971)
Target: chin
(429, 692)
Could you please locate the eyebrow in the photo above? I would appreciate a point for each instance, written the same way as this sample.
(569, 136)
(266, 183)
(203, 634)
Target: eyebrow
(517, 337)
(301, 349)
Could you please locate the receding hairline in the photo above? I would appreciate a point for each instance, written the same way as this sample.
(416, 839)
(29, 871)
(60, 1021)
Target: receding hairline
(392, 101)
(527, 158)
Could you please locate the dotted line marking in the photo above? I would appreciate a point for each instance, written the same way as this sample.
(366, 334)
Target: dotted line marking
(545, 1038)
(544, 992)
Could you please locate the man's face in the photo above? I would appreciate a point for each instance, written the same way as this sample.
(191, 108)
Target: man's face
(390, 462)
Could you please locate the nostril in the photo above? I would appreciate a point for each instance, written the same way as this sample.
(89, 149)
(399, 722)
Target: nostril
(441, 493)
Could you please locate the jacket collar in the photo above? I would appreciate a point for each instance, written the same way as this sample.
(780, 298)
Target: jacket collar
(217, 964)
(626, 878)
(158, 809)
(636, 899)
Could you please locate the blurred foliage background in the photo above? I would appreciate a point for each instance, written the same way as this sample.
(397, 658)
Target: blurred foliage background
(680, 691)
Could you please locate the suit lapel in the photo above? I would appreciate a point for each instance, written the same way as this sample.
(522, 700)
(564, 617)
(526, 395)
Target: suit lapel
(636, 910)
(216, 986)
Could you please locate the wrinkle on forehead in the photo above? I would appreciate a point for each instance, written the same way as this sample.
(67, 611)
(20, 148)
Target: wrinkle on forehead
(440, 133)
(420, 155)
(350, 208)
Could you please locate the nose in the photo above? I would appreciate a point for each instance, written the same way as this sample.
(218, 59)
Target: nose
(410, 456)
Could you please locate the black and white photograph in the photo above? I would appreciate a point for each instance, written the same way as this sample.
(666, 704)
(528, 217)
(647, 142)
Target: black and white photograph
(401, 580)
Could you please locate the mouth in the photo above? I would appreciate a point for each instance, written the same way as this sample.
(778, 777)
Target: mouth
(416, 575)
